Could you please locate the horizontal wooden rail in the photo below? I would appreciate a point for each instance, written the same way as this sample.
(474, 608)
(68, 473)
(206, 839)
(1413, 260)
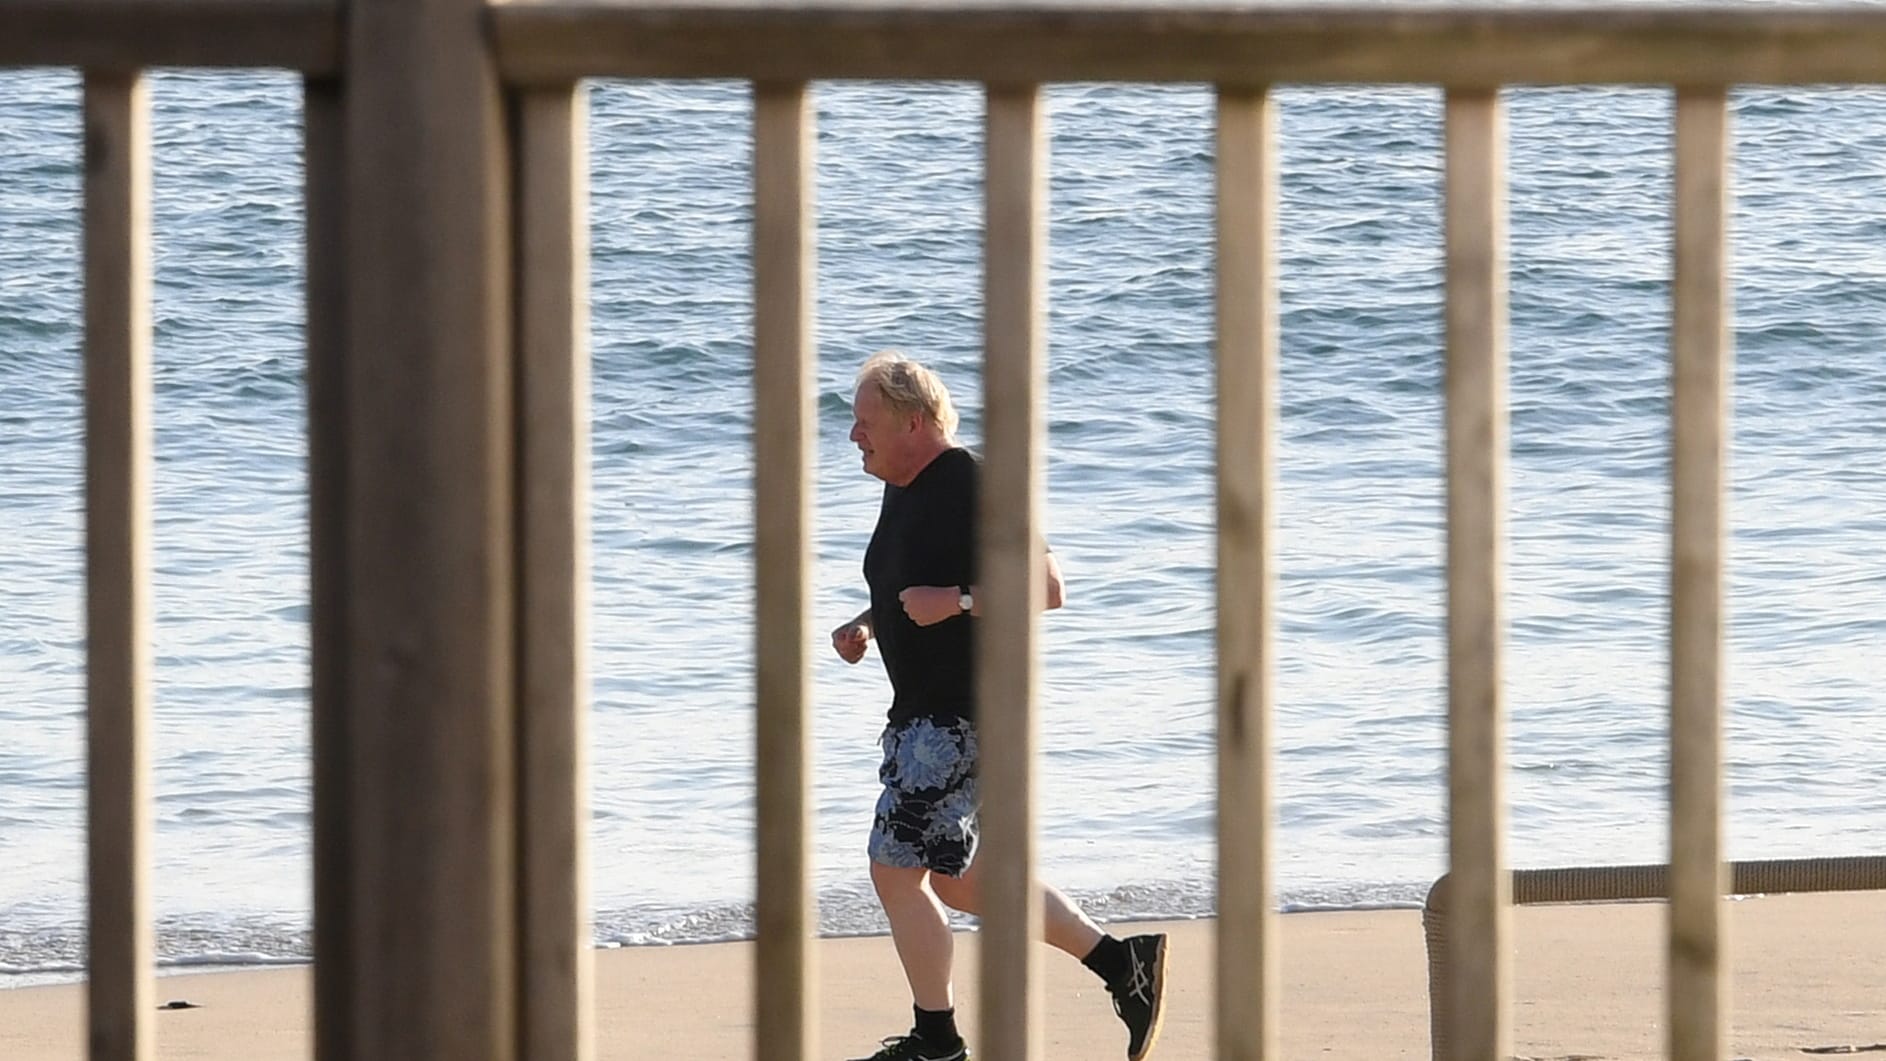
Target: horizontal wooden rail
(127, 34)
(1251, 43)
(556, 41)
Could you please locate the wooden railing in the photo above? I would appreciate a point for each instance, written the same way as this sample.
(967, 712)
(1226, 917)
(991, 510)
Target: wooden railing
(447, 400)
(1612, 884)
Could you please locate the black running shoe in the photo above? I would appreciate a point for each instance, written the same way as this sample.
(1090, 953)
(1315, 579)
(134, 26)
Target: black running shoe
(1140, 997)
(911, 1048)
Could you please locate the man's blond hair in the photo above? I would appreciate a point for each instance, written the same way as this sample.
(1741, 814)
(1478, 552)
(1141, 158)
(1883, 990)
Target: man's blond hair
(909, 387)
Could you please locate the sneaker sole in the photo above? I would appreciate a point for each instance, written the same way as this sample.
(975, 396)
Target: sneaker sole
(1159, 1005)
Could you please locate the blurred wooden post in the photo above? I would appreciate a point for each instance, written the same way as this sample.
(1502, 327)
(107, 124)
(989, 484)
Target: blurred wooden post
(1476, 503)
(1247, 402)
(1697, 995)
(324, 129)
(784, 421)
(430, 683)
(118, 563)
(549, 131)
(1011, 565)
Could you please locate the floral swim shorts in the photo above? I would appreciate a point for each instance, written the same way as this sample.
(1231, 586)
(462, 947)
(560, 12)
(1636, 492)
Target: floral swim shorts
(926, 817)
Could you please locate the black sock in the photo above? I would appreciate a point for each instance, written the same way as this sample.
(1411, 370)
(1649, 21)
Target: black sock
(937, 1026)
(1108, 960)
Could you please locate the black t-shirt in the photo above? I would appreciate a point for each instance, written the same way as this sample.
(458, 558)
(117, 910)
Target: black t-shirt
(926, 536)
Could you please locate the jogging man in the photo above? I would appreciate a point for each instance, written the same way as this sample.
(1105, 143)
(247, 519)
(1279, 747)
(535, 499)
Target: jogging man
(921, 568)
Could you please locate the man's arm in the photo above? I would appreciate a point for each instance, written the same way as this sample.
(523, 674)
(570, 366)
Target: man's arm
(1053, 592)
(932, 604)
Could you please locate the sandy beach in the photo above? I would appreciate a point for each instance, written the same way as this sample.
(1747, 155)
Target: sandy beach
(1809, 972)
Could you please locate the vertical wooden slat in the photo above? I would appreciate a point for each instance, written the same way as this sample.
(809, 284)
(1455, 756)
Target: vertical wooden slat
(784, 419)
(1015, 252)
(1476, 461)
(1247, 400)
(1697, 995)
(118, 562)
(430, 549)
(324, 174)
(549, 135)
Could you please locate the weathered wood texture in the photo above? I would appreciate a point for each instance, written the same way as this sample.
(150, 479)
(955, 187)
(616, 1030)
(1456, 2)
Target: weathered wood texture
(300, 35)
(431, 604)
(785, 421)
(325, 175)
(549, 129)
(118, 564)
(1476, 503)
(1464, 45)
(1698, 989)
(556, 41)
(1014, 380)
(1247, 519)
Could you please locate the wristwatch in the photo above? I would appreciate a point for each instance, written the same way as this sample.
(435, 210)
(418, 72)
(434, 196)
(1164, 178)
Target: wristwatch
(964, 602)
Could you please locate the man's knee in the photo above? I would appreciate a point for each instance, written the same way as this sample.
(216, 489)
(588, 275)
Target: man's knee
(957, 893)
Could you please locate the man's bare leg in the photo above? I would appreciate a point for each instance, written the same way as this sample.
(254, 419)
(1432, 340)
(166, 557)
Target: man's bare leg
(921, 931)
(1133, 969)
(1065, 925)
